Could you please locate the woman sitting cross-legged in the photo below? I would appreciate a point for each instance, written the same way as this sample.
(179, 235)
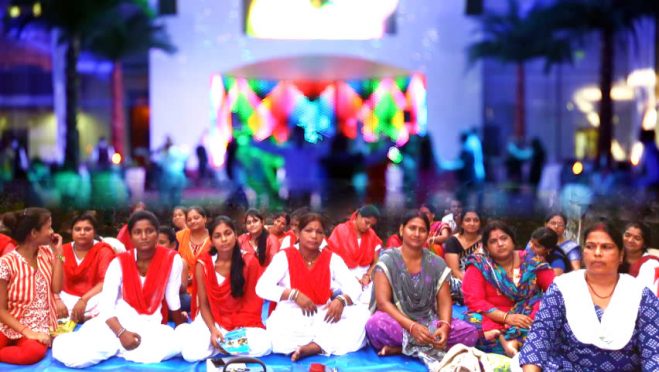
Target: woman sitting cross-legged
(413, 298)
(503, 289)
(28, 277)
(130, 321)
(225, 292)
(85, 262)
(307, 320)
(595, 319)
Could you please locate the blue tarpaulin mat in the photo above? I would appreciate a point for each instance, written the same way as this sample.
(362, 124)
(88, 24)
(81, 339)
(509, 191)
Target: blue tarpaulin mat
(365, 359)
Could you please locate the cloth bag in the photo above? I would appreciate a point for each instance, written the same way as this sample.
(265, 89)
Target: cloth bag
(461, 358)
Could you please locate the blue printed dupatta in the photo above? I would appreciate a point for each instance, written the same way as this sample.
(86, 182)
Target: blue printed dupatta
(524, 295)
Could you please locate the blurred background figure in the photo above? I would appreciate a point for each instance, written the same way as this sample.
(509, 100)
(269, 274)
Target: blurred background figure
(101, 156)
(537, 162)
(173, 180)
(647, 171)
(202, 164)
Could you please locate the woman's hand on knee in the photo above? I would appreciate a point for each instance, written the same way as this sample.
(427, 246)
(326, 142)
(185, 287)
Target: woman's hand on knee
(60, 309)
(44, 338)
(130, 340)
(78, 311)
(334, 311)
(308, 307)
(216, 337)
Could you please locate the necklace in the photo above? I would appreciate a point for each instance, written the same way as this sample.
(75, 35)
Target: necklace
(194, 247)
(308, 261)
(597, 294)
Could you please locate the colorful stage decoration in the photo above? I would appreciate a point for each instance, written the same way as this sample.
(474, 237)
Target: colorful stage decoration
(260, 107)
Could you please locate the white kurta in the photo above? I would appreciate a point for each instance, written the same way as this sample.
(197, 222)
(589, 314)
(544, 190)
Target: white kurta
(70, 300)
(95, 341)
(646, 275)
(91, 310)
(358, 272)
(289, 328)
(195, 338)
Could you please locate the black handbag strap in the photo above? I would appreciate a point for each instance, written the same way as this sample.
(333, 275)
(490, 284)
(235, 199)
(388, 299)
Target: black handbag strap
(245, 360)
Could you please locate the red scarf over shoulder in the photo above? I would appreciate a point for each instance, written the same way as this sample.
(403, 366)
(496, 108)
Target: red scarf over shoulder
(146, 299)
(228, 311)
(7, 244)
(636, 267)
(124, 236)
(314, 282)
(343, 242)
(79, 279)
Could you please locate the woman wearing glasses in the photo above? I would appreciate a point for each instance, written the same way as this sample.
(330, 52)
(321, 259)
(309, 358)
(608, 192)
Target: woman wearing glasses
(502, 290)
(595, 319)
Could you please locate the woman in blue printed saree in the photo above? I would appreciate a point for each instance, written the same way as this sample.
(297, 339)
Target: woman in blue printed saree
(595, 319)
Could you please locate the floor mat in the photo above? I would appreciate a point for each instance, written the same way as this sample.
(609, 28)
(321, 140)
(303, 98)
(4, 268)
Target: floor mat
(365, 359)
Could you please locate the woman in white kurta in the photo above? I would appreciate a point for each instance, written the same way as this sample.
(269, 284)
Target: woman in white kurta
(85, 262)
(314, 289)
(129, 323)
(224, 299)
(357, 244)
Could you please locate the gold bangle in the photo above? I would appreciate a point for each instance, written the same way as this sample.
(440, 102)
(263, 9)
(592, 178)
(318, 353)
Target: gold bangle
(440, 322)
(60, 257)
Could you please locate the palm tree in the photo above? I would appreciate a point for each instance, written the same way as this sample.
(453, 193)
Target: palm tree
(128, 29)
(513, 37)
(74, 19)
(608, 18)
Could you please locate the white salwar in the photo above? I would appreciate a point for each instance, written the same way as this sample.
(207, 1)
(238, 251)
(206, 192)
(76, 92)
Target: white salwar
(358, 272)
(195, 338)
(70, 300)
(365, 293)
(95, 341)
(290, 329)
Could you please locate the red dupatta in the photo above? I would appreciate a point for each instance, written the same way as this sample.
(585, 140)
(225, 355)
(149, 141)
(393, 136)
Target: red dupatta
(79, 279)
(124, 236)
(314, 282)
(228, 311)
(146, 299)
(343, 242)
(636, 267)
(7, 244)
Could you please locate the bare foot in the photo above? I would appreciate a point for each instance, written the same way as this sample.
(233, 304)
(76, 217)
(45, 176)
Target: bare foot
(510, 347)
(390, 350)
(492, 334)
(309, 349)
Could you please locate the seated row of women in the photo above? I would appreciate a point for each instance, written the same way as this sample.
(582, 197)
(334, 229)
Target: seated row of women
(317, 299)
